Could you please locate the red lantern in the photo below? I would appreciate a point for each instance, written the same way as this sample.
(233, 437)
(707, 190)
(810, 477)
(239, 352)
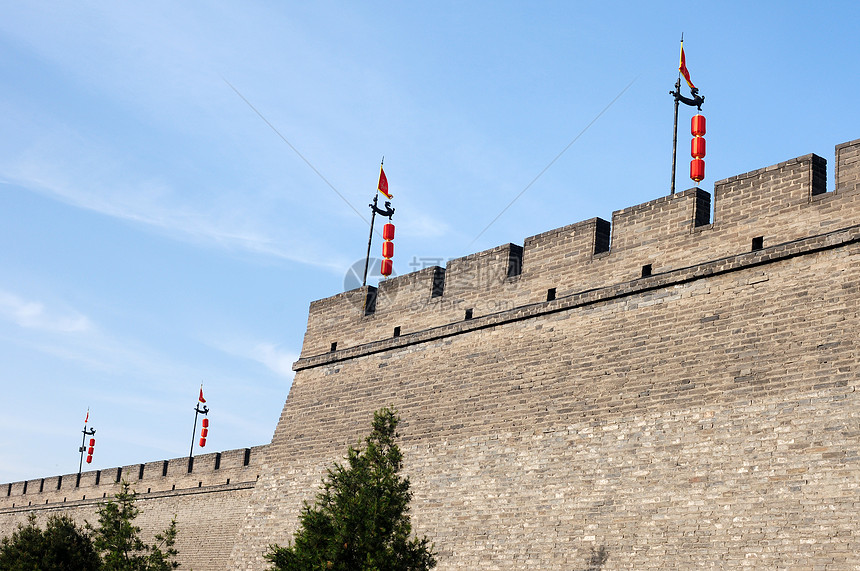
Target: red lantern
(388, 231)
(90, 450)
(697, 125)
(697, 169)
(697, 148)
(204, 432)
(387, 249)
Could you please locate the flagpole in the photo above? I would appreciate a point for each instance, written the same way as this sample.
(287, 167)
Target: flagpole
(197, 411)
(372, 220)
(90, 432)
(695, 101)
(675, 135)
(369, 239)
(675, 124)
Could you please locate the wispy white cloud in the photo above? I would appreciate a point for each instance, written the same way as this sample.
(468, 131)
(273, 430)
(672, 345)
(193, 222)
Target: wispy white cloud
(425, 226)
(106, 354)
(55, 329)
(156, 205)
(277, 360)
(31, 314)
(268, 354)
(171, 99)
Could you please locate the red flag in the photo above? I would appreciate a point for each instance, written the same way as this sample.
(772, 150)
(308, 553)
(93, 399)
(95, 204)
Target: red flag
(383, 184)
(88, 416)
(682, 67)
(201, 399)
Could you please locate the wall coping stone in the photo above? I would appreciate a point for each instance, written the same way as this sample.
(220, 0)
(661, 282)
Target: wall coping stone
(61, 506)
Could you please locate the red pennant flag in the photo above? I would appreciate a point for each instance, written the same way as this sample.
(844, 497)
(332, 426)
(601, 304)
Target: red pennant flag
(201, 399)
(682, 67)
(383, 184)
(88, 416)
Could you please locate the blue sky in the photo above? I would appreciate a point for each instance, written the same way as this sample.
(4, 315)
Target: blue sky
(156, 233)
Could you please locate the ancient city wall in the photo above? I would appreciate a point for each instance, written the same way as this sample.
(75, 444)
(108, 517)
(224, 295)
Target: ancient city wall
(207, 497)
(675, 388)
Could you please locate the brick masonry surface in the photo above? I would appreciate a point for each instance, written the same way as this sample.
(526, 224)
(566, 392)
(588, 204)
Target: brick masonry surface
(676, 390)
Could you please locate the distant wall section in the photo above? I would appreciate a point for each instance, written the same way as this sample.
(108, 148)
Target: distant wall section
(207, 498)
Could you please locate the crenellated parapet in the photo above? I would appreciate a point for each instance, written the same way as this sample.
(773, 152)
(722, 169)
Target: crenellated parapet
(755, 210)
(226, 468)
(474, 285)
(847, 166)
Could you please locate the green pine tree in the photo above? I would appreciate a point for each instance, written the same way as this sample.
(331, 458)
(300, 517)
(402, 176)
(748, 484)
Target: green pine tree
(119, 542)
(61, 546)
(360, 521)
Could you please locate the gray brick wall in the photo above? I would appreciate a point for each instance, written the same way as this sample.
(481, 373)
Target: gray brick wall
(705, 421)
